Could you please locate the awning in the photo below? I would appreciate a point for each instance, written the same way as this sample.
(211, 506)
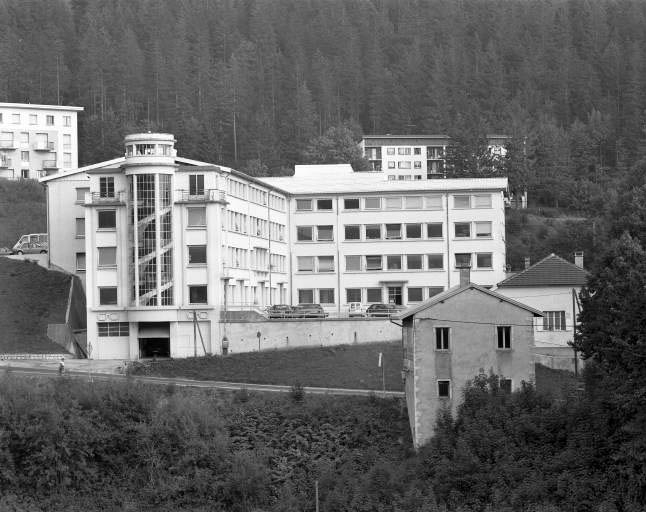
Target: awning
(154, 331)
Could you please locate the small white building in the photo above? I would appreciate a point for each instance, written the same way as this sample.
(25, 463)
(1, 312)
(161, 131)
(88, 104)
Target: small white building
(37, 140)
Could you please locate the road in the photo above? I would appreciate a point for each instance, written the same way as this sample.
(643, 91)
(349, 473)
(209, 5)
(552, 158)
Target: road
(107, 371)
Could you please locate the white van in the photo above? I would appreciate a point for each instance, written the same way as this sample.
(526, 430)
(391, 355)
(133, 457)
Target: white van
(34, 243)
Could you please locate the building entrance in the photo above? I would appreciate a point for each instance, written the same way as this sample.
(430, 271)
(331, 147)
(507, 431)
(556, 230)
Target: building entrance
(154, 339)
(395, 295)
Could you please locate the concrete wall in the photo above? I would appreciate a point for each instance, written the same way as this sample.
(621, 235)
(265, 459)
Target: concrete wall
(305, 333)
(472, 318)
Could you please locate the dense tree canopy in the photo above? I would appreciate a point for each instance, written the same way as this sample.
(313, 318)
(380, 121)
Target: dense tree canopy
(256, 81)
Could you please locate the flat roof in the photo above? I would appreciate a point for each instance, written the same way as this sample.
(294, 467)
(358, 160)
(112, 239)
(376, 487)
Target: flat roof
(41, 107)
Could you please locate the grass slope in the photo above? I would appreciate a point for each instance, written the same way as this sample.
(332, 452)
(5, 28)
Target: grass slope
(22, 210)
(30, 298)
(343, 366)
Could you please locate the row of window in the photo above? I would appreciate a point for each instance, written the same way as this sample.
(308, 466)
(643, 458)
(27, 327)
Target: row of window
(432, 202)
(435, 152)
(416, 231)
(376, 295)
(197, 294)
(33, 119)
(444, 387)
(411, 262)
(443, 338)
(240, 223)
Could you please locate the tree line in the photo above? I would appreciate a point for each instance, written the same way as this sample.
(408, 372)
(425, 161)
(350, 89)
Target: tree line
(251, 83)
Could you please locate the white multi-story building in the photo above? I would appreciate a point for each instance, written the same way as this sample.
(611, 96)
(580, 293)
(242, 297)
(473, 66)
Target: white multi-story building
(165, 244)
(37, 140)
(415, 157)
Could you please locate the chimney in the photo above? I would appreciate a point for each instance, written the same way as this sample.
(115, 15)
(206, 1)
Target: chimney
(465, 275)
(578, 259)
(527, 262)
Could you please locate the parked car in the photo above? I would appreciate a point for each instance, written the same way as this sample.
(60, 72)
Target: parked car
(33, 243)
(279, 311)
(308, 311)
(355, 309)
(383, 310)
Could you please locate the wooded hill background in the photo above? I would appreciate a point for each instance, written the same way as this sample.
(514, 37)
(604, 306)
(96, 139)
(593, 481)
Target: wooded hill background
(248, 83)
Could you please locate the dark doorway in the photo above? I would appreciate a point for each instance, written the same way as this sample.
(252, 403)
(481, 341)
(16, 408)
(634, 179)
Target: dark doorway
(154, 339)
(395, 295)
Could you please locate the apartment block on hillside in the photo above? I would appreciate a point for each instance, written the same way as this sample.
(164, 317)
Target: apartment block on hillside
(37, 140)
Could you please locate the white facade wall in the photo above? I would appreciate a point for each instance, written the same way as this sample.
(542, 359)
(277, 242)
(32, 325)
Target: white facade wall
(37, 139)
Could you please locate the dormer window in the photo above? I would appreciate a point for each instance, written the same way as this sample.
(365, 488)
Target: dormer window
(106, 186)
(196, 184)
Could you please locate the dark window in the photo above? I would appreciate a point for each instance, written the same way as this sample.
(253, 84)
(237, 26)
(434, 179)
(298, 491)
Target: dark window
(108, 296)
(434, 290)
(324, 233)
(504, 336)
(441, 338)
(393, 231)
(435, 230)
(326, 296)
(484, 260)
(462, 230)
(413, 231)
(373, 262)
(352, 232)
(444, 388)
(373, 231)
(304, 233)
(106, 186)
(305, 296)
(374, 294)
(353, 294)
(351, 204)
(303, 204)
(435, 261)
(196, 254)
(196, 184)
(414, 261)
(107, 219)
(554, 320)
(462, 259)
(505, 385)
(197, 294)
(394, 262)
(324, 204)
(415, 294)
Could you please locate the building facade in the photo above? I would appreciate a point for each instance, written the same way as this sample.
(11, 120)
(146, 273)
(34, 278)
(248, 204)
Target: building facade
(455, 336)
(37, 140)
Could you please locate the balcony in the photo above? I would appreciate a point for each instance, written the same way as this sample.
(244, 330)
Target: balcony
(210, 195)
(5, 163)
(49, 165)
(98, 199)
(7, 144)
(44, 146)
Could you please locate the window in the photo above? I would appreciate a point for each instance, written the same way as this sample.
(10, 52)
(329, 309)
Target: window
(504, 336)
(24, 156)
(33, 119)
(108, 296)
(484, 260)
(415, 294)
(305, 263)
(197, 254)
(444, 388)
(80, 194)
(107, 256)
(67, 142)
(373, 231)
(394, 262)
(505, 385)
(80, 227)
(413, 231)
(24, 139)
(352, 232)
(353, 294)
(393, 231)
(462, 230)
(413, 203)
(417, 151)
(372, 203)
(374, 294)
(303, 205)
(461, 201)
(390, 151)
(463, 259)
(434, 290)
(67, 160)
(324, 204)
(196, 185)
(15, 118)
(373, 262)
(433, 202)
(326, 295)
(483, 229)
(441, 338)
(106, 329)
(326, 263)
(394, 203)
(49, 120)
(403, 165)
(482, 201)
(80, 261)
(434, 230)
(196, 216)
(24, 173)
(417, 177)
(414, 262)
(106, 186)
(324, 233)
(304, 233)
(435, 261)
(391, 165)
(305, 296)
(351, 203)
(107, 219)
(403, 151)
(67, 120)
(353, 262)
(197, 294)
(554, 321)
(417, 165)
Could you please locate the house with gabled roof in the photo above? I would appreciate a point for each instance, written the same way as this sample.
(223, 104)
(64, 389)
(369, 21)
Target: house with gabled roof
(456, 335)
(552, 286)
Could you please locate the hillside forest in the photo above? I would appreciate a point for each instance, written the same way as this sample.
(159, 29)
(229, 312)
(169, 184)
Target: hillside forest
(252, 84)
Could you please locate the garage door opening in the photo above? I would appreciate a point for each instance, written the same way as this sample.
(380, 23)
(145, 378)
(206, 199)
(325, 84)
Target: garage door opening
(154, 339)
